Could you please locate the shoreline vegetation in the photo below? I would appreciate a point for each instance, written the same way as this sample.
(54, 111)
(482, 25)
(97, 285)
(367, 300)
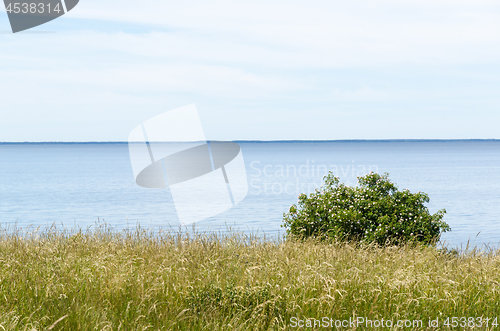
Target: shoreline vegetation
(103, 279)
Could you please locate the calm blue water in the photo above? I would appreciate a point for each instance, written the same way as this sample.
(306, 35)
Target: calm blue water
(75, 184)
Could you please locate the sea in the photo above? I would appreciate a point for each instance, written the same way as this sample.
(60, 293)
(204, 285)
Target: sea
(82, 185)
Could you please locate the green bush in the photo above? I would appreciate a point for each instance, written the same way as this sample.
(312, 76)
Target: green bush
(374, 211)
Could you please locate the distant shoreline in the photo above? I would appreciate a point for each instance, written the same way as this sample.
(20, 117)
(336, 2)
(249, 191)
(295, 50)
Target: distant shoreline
(251, 141)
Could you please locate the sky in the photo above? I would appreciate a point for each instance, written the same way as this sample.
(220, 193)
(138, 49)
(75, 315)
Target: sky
(257, 70)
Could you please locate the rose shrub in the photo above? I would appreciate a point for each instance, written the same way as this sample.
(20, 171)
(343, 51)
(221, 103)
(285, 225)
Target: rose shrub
(374, 211)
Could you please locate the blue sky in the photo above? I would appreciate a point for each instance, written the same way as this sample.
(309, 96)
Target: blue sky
(266, 70)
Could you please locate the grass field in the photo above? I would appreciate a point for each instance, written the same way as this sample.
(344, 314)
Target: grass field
(144, 280)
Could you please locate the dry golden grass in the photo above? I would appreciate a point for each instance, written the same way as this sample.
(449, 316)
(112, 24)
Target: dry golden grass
(105, 280)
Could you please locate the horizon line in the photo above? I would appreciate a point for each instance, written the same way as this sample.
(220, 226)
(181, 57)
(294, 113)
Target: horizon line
(246, 141)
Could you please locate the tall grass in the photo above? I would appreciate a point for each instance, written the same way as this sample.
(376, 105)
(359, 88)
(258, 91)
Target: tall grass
(107, 280)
